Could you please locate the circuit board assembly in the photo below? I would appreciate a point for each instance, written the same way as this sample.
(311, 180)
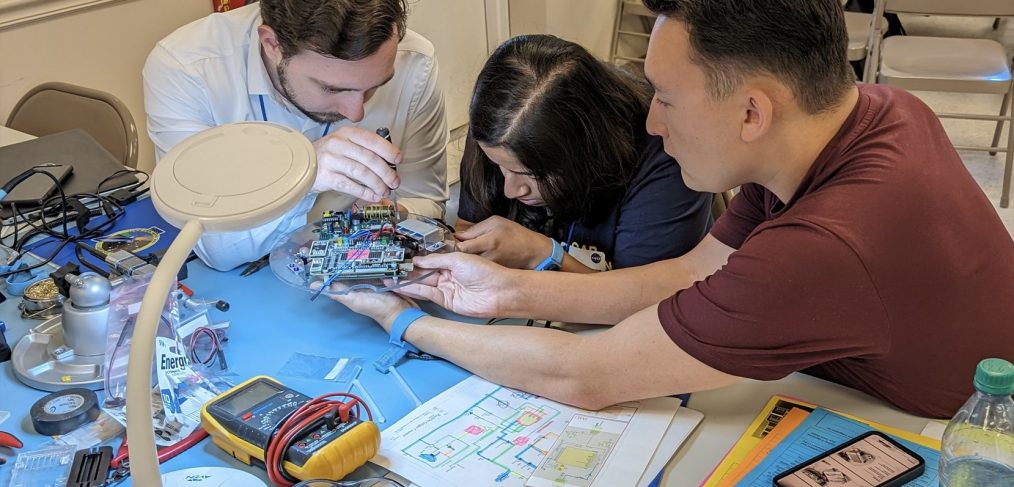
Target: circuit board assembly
(367, 243)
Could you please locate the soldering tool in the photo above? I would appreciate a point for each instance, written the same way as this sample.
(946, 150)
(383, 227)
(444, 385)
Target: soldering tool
(386, 135)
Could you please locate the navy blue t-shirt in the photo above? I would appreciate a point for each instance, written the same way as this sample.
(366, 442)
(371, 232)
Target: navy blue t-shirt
(657, 218)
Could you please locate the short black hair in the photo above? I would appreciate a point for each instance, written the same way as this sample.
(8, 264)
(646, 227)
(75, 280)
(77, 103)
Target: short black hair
(345, 29)
(803, 43)
(575, 122)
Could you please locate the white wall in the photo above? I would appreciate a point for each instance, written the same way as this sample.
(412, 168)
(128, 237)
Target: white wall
(457, 29)
(102, 48)
(586, 22)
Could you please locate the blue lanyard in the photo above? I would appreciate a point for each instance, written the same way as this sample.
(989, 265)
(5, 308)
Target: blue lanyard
(264, 115)
(570, 235)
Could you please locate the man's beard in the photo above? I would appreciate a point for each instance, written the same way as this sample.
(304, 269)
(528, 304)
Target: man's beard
(319, 117)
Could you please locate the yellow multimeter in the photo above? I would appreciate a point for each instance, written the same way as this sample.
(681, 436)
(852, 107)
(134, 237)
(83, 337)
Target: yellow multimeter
(241, 421)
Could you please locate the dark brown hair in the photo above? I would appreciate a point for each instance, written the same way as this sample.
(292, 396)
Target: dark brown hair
(803, 43)
(576, 123)
(345, 29)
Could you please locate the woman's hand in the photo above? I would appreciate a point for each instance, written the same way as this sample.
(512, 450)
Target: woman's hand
(464, 284)
(505, 242)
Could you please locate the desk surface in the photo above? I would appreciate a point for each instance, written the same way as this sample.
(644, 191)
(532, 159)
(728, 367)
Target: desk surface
(264, 336)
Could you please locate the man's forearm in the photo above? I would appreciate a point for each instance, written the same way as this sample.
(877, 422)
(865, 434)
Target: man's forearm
(551, 368)
(605, 297)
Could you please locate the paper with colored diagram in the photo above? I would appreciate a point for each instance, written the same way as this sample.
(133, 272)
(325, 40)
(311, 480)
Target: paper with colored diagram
(479, 433)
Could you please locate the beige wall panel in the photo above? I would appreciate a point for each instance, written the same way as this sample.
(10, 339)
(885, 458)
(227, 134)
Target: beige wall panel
(102, 47)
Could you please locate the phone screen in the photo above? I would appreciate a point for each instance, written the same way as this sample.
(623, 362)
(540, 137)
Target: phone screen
(871, 461)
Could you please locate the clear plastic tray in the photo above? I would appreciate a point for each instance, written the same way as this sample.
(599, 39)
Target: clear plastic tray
(47, 467)
(292, 260)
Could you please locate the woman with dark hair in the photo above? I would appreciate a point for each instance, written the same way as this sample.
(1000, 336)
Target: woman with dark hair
(559, 171)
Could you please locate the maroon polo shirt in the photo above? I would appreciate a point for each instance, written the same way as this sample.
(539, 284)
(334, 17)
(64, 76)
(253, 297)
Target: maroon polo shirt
(888, 271)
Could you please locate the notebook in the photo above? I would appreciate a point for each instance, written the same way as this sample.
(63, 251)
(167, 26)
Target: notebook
(92, 163)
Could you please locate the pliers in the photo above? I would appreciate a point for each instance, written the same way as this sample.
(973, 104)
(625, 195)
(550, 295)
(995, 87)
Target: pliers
(121, 461)
(254, 266)
(10, 441)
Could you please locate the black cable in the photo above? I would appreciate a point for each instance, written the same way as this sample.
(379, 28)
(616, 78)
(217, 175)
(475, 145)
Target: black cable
(135, 185)
(300, 434)
(14, 206)
(274, 432)
(17, 214)
(24, 176)
(49, 259)
(81, 258)
(112, 209)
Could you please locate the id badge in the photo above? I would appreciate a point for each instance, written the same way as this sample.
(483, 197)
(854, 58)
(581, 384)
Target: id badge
(592, 259)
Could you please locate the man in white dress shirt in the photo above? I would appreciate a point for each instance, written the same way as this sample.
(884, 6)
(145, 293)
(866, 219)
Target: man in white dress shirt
(336, 70)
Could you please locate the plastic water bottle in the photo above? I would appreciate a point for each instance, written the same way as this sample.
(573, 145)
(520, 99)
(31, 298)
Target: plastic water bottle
(978, 444)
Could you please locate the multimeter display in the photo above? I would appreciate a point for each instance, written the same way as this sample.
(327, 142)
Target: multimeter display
(247, 398)
(255, 411)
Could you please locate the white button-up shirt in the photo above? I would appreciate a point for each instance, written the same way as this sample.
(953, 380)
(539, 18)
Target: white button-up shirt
(210, 72)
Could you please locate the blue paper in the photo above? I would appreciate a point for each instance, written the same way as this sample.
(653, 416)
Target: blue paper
(822, 431)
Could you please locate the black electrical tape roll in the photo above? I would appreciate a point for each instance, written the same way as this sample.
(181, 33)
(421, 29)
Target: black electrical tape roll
(64, 411)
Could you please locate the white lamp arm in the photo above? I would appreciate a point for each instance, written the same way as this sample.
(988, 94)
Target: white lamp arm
(143, 455)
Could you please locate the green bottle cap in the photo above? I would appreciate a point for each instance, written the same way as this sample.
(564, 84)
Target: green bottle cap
(995, 376)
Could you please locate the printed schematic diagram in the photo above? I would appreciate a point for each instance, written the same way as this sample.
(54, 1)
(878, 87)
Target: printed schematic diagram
(581, 451)
(513, 438)
(481, 433)
(502, 437)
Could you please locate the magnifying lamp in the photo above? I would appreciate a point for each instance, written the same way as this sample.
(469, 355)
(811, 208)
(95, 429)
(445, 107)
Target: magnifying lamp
(228, 178)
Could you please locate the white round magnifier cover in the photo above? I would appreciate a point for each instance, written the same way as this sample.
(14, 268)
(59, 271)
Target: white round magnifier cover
(233, 177)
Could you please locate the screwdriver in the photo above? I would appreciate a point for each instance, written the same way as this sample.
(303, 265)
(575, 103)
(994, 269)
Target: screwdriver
(384, 133)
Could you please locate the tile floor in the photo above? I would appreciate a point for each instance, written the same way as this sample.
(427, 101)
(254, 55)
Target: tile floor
(986, 169)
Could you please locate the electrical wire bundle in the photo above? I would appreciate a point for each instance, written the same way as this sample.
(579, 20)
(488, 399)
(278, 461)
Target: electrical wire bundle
(301, 422)
(56, 212)
(216, 352)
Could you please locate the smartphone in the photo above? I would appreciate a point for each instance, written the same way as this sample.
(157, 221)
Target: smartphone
(869, 460)
(38, 187)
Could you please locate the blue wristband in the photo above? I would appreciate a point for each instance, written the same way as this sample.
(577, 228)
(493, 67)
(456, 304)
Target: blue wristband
(401, 323)
(399, 348)
(555, 259)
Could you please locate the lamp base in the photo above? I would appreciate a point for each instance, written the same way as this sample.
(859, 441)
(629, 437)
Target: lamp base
(211, 477)
(42, 360)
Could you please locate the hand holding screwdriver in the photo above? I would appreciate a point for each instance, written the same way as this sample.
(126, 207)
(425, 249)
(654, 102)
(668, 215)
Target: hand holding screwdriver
(386, 135)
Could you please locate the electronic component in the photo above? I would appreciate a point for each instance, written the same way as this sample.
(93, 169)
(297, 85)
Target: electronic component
(365, 244)
(90, 467)
(429, 235)
(262, 420)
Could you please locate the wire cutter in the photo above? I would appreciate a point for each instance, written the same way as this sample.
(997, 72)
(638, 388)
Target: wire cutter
(10, 441)
(254, 266)
(120, 463)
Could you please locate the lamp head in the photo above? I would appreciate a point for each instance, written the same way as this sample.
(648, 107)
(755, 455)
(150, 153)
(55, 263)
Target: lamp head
(234, 177)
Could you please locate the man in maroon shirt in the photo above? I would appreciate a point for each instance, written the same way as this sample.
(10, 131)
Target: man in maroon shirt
(859, 249)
